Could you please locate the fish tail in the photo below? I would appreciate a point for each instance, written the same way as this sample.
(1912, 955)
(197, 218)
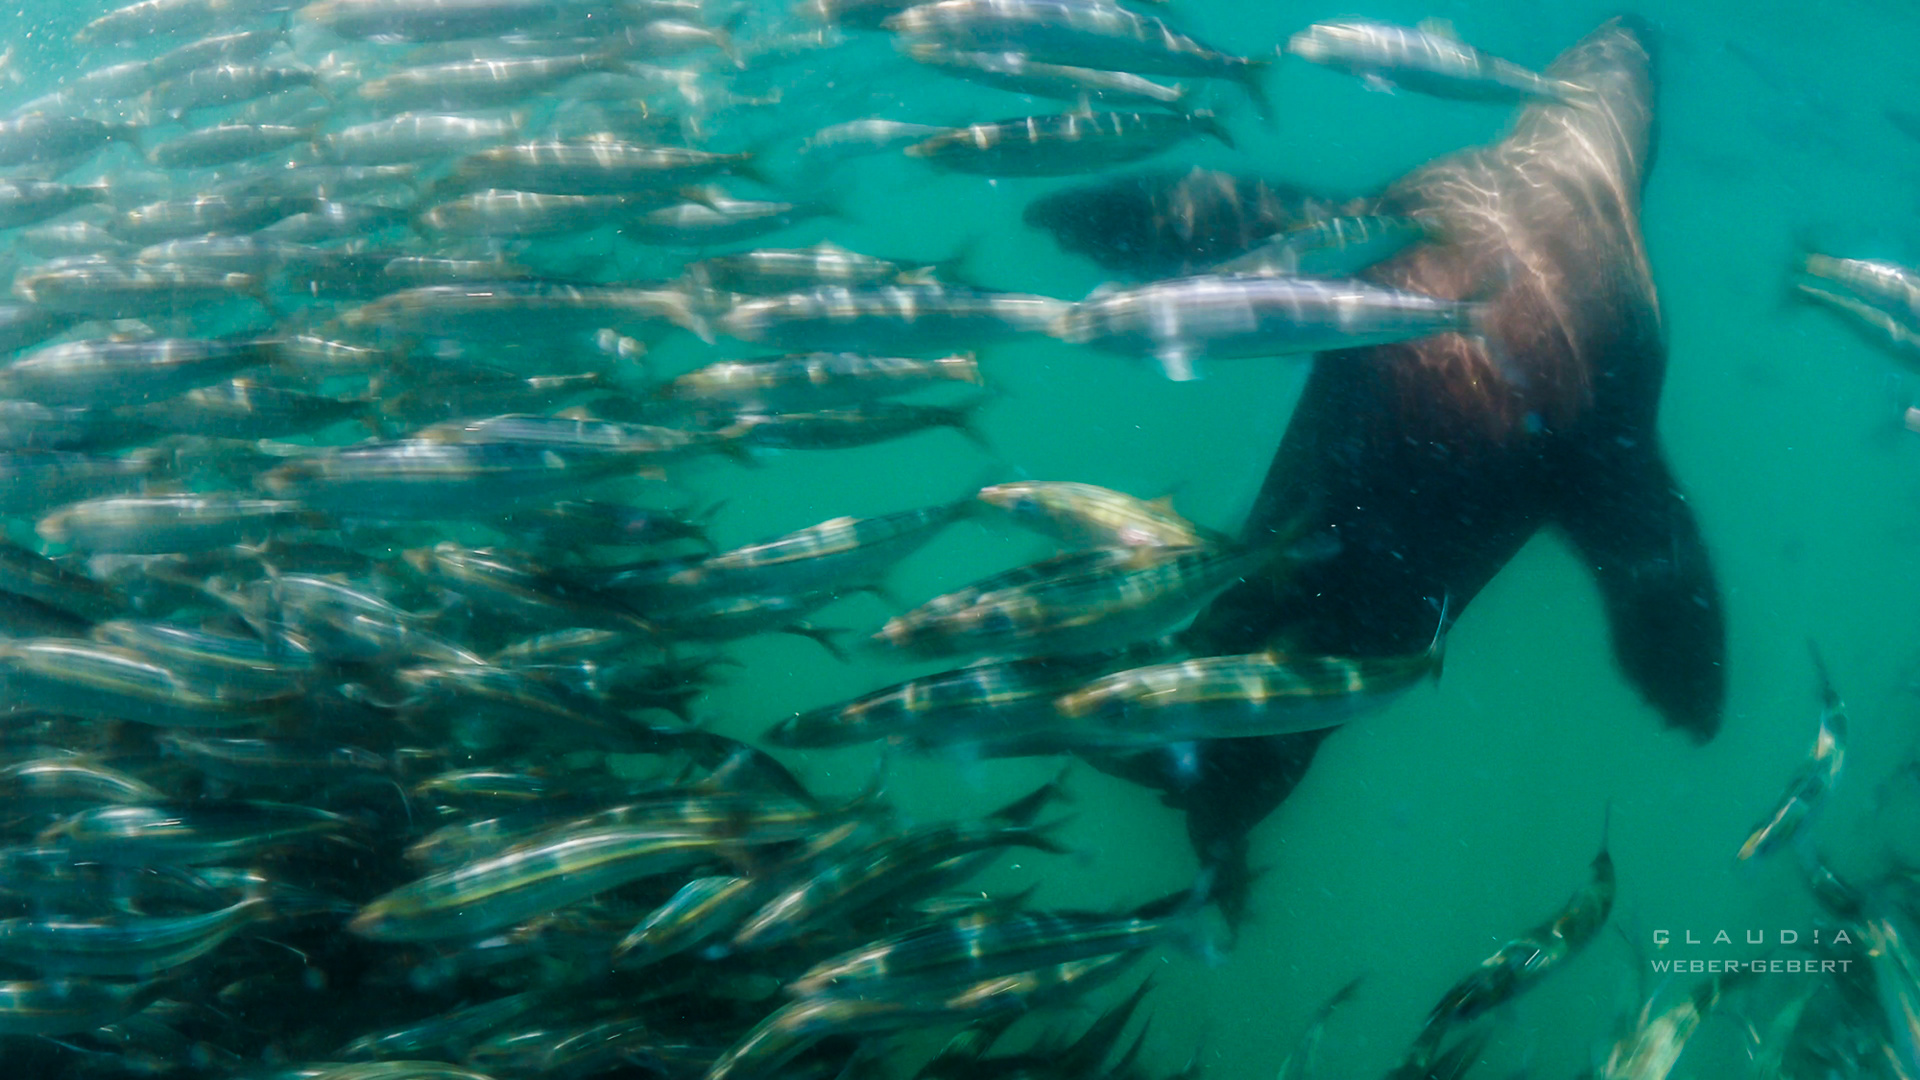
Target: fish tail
(827, 637)
(1437, 648)
(1829, 699)
(965, 420)
(1249, 77)
(1207, 123)
(1040, 836)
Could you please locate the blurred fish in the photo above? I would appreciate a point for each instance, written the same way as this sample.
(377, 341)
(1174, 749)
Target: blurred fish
(863, 425)
(1807, 792)
(1654, 1047)
(81, 678)
(69, 1006)
(520, 308)
(1154, 590)
(157, 524)
(108, 288)
(881, 318)
(36, 138)
(25, 202)
(204, 832)
(1064, 144)
(110, 373)
(225, 84)
(1520, 963)
(412, 137)
(811, 381)
(1430, 60)
(480, 84)
(1106, 37)
(760, 273)
(1084, 516)
(1228, 697)
(597, 165)
(1181, 321)
(223, 144)
(491, 893)
(1883, 295)
(718, 219)
(1020, 73)
(126, 947)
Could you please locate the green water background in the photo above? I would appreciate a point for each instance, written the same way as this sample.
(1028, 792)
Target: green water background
(1427, 835)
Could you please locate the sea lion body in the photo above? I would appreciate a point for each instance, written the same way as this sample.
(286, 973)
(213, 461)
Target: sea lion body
(1434, 460)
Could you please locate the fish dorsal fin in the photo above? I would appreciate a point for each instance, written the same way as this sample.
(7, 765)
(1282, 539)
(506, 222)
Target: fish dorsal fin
(1438, 27)
(1176, 361)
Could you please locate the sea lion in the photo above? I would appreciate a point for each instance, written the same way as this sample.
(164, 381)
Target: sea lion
(1434, 460)
(1160, 223)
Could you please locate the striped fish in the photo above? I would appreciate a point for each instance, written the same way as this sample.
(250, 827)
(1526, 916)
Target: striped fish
(1231, 697)
(934, 959)
(1143, 596)
(1811, 784)
(992, 708)
(821, 556)
(1519, 964)
(1085, 515)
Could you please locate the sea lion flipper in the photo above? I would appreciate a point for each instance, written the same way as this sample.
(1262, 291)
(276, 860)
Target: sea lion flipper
(1634, 530)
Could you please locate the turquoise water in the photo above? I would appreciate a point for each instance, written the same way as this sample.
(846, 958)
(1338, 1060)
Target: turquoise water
(1430, 833)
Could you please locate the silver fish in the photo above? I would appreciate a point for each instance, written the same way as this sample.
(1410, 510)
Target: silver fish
(1181, 321)
(1427, 61)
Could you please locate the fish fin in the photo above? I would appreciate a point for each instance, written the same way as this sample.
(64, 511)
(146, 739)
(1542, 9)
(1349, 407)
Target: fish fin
(1176, 361)
(1829, 698)
(953, 270)
(965, 421)
(885, 595)
(1437, 649)
(1438, 27)
(1040, 836)
(1377, 83)
(1026, 808)
(1248, 75)
(828, 638)
(1209, 124)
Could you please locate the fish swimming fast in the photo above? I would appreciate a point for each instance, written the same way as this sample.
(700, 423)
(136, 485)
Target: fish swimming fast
(1522, 962)
(1428, 60)
(1181, 321)
(1107, 37)
(1883, 295)
(1812, 783)
(1232, 697)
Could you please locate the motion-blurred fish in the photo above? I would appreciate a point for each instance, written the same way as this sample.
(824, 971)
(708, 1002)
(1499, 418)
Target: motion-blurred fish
(884, 318)
(1812, 782)
(1063, 144)
(811, 381)
(1429, 61)
(1226, 697)
(1106, 37)
(1883, 295)
(1084, 516)
(1182, 321)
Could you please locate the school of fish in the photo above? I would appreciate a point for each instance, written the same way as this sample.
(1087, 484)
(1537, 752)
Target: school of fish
(357, 609)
